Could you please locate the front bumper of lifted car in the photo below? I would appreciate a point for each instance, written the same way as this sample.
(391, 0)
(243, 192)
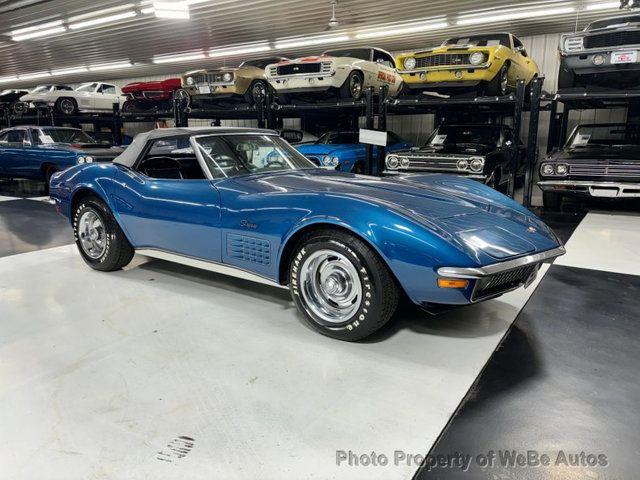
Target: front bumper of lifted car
(592, 188)
(473, 176)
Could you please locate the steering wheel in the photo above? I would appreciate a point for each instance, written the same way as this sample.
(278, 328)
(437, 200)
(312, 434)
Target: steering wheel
(277, 162)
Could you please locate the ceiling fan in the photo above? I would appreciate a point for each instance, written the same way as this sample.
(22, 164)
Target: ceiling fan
(334, 22)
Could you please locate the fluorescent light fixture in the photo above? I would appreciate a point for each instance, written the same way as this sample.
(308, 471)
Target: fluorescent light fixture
(42, 26)
(240, 50)
(179, 58)
(307, 41)
(38, 34)
(394, 30)
(603, 6)
(8, 79)
(147, 10)
(102, 12)
(69, 71)
(31, 76)
(102, 20)
(110, 66)
(513, 15)
(172, 10)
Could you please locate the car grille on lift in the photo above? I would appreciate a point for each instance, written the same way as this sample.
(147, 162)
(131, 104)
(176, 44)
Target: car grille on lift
(442, 163)
(298, 68)
(502, 282)
(202, 78)
(612, 39)
(443, 60)
(594, 170)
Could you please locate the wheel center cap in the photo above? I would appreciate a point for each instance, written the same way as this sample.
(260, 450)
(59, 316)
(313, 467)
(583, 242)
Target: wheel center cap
(332, 285)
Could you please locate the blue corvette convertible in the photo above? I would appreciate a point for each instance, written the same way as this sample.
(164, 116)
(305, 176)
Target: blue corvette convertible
(36, 153)
(343, 151)
(245, 202)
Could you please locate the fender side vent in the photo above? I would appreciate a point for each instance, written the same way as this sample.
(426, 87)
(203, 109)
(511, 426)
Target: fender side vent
(249, 249)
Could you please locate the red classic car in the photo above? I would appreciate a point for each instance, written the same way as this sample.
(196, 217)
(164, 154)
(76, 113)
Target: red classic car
(146, 96)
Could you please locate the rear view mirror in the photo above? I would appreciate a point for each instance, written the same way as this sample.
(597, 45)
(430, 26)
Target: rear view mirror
(292, 136)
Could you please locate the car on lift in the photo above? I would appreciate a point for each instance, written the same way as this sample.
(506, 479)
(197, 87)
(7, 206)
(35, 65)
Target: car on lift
(36, 153)
(605, 53)
(21, 107)
(485, 153)
(598, 160)
(347, 72)
(343, 151)
(88, 97)
(8, 99)
(244, 202)
(491, 64)
(150, 96)
(201, 88)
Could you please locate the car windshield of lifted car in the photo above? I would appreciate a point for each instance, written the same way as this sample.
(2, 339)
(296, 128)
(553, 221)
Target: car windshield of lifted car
(464, 135)
(359, 53)
(234, 155)
(481, 40)
(605, 136)
(614, 22)
(63, 135)
(261, 63)
(339, 138)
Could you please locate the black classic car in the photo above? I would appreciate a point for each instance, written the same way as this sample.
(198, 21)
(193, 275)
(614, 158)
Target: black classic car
(8, 98)
(605, 51)
(481, 152)
(597, 160)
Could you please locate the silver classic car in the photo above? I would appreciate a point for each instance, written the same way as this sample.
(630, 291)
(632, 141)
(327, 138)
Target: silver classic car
(605, 50)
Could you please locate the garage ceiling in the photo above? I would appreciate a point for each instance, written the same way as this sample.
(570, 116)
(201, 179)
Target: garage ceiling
(223, 23)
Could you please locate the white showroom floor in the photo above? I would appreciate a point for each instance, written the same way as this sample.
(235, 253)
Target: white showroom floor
(103, 374)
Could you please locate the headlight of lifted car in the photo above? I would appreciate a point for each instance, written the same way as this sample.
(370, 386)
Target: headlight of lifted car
(554, 169)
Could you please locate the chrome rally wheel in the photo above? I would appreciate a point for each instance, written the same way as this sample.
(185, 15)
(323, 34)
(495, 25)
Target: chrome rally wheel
(331, 286)
(92, 234)
(340, 285)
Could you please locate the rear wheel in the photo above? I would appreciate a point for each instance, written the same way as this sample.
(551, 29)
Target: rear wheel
(48, 173)
(551, 200)
(256, 93)
(353, 87)
(183, 97)
(499, 86)
(20, 108)
(129, 107)
(101, 242)
(67, 106)
(341, 286)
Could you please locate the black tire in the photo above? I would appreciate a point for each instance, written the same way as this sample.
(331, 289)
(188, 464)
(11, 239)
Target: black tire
(257, 92)
(130, 107)
(20, 108)
(379, 294)
(67, 106)
(353, 87)
(48, 173)
(552, 200)
(118, 252)
(498, 87)
(566, 79)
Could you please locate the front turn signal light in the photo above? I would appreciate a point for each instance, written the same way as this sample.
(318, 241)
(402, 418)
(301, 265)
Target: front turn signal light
(452, 283)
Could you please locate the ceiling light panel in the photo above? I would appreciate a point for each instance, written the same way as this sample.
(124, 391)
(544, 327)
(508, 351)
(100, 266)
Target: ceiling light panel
(110, 66)
(31, 76)
(102, 20)
(172, 10)
(603, 6)
(185, 57)
(38, 34)
(308, 41)
(239, 50)
(494, 17)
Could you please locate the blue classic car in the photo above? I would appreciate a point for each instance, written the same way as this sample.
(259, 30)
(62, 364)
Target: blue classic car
(344, 152)
(246, 203)
(38, 152)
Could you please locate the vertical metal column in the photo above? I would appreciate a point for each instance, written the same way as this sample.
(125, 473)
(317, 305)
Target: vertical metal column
(517, 124)
(553, 135)
(369, 124)
(116, 129)
(382, 126)
(532, 142)
(180, 118)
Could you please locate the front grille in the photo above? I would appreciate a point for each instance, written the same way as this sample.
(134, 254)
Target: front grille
(502, 282)
(443, 60)
(209, 78)
(595, 170)
(444, 163)
(612, 39)
(298, 68)
(314, 159)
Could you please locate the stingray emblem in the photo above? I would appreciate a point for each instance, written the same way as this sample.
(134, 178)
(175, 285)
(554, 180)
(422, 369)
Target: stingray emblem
(531, 230)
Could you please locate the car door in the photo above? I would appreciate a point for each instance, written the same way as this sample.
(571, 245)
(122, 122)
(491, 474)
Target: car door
(12, 154)
(166, 207)
(387, 74)
(106, 96)
(525, 65)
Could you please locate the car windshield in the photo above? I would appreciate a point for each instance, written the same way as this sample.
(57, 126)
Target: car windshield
(613, 22)
(87, 87)
(63, 135)
(339, 138)
(234, 155)
(42, 89)
(359, 53)
(464, 135)
(261, 63)
(6, 92)
(605, 136)
(481, 40)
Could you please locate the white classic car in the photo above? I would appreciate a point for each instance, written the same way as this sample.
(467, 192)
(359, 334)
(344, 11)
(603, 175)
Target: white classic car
(347, 71)
(88, 97)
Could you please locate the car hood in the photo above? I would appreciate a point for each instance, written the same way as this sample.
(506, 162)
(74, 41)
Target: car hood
(478, 219)
(601, 155)
(99, 152)
(450, 149)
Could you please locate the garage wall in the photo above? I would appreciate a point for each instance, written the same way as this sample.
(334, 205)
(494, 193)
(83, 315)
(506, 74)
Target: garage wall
(415, 128)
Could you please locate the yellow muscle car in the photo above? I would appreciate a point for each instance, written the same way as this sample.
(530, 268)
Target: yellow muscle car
(492, 63)
(202, 87)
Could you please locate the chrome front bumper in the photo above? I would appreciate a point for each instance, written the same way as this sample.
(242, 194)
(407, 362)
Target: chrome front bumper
(592, 188)
(481, 272)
